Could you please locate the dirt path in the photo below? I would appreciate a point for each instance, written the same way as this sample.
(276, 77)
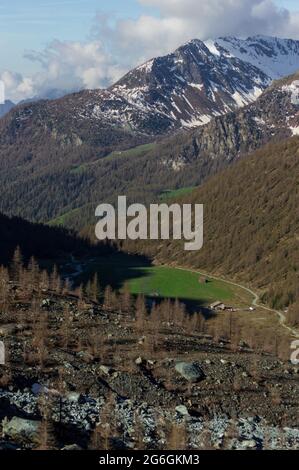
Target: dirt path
(255, 302)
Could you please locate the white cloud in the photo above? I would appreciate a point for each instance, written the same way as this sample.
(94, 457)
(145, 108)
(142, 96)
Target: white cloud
(74, 64)
(70, 65)
(17, 87)
(65, 65)
(181, 20)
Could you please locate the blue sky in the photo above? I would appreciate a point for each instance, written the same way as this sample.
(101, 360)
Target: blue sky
(32, 24)
(134, 30)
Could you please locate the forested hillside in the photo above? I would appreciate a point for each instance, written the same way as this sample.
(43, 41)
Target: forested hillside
(251, 224)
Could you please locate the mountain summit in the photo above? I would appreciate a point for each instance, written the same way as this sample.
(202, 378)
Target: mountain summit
(191, 85)
(184, 89)
(187, 88)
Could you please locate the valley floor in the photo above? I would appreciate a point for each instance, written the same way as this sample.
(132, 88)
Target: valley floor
(198, 290)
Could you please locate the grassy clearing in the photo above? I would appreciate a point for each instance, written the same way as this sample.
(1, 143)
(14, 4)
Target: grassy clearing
(176, 193)
(163, 281)
(176, 283)
(62, 219)
(133, 152)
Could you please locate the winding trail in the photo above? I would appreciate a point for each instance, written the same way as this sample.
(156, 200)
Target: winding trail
(255, 302)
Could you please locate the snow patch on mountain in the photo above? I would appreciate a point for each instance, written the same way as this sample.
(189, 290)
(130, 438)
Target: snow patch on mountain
(198, 81)
(295, 130)
(259, 121)
(196, 122)
(147, 66)
(199, 86)
(212, 47)
(293, 89)
(274, 56)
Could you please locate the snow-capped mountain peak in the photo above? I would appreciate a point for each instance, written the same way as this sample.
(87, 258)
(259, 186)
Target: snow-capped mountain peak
(190, 86)
(200, 80)
(183, 89)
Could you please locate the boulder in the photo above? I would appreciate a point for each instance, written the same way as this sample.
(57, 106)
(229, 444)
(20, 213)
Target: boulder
(6, 330)
(191, 371)
(182, 410)
(19, 429)
(39, 389)
(72, 447)
(105, 370)
(248, 444)
(73, 397)
(46, 303)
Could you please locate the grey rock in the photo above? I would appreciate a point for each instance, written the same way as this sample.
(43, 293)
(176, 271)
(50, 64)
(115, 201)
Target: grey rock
(19, 429)
(73, 397)
(105, 369)
(72, 447)
(38, 389)
(182, 410)
(191, 371)
(6, 330)
(248, 444)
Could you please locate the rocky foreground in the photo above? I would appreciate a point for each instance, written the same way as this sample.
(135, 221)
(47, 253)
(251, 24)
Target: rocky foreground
(79, 375)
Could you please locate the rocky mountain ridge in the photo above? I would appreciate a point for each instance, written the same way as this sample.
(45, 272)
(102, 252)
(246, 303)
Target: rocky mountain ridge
(184, 89)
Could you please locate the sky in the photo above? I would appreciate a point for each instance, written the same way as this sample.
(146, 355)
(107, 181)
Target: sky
(74, 44)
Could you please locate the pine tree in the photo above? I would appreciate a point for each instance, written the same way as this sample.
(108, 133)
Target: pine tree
(40, 334)
(4, 288)
(177, 438)
(65, 331)
(45, 439)
(16, 265)
(33, 274)
(55, 281)
(140, 313)
(106, 429)
(95, 288)
(126, 299)
(87, 290)
(45, 280)
(108, 298)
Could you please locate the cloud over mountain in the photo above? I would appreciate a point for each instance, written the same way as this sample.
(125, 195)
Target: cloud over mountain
(118, 45)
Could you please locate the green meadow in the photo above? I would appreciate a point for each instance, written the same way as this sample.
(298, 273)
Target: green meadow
(158, 281)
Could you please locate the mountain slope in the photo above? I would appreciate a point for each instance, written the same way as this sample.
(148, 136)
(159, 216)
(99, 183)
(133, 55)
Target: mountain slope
(251, 224)
(275, 115)
(40, 190)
